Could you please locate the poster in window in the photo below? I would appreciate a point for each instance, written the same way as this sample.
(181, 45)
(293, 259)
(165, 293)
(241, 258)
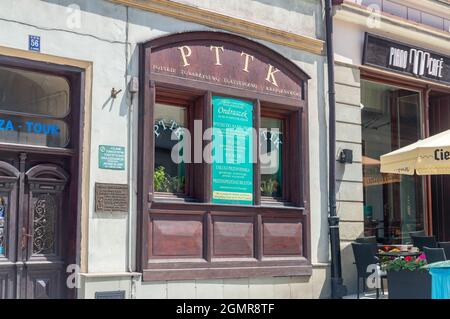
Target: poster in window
(232, 167)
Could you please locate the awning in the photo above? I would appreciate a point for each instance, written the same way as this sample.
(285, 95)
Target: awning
(430, 156)
(369, 161)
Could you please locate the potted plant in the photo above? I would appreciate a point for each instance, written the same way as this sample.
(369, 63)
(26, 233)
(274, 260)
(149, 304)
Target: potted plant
(407, 279)
(163, 182)
(269, 187)
(160, 180)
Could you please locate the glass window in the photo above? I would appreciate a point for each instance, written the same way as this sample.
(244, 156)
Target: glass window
(232, 168)
(271, 142)
(170, 122)
(33, 107)
(3, 221)
(33, 93)
(432, 20)
(395, 9)
(393, 204)
(414, 15)
(34, 131)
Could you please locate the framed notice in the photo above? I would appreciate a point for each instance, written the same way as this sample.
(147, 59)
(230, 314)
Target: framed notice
(232, 167)
(111, 157)
(111, 197)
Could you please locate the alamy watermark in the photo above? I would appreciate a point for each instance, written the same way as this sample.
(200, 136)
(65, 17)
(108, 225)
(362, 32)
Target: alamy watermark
(235, 145)
(73, 278)
(73, 20)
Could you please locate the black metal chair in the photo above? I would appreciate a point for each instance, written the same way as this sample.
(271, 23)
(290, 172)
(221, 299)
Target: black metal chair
(419, 233)
(367, 240)
(424, 241)
(434, 255)
(446, 246)
(364, 254)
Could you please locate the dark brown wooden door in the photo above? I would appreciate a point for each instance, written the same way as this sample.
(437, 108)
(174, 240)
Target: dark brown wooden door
(440, 185)
(32, 206)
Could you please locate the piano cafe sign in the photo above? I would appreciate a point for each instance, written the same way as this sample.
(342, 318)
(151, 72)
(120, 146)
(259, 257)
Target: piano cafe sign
(224, 64)
(406, 59)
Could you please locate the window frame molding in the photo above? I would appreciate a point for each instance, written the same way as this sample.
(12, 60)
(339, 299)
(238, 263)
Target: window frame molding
(149, 206)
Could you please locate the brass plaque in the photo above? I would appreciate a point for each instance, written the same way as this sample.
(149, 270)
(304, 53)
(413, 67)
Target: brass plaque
(111, 197)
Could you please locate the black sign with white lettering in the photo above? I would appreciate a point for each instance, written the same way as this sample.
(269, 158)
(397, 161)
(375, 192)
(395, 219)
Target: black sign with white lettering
(406, 59)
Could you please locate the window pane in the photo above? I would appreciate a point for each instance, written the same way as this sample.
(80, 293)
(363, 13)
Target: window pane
(271, 142)
(44, 207)
(395, 9)
(33, 131)
(414, 15)
(393, 204)
(33, 93)
(3, 221)
(432, 20)
(169, 172)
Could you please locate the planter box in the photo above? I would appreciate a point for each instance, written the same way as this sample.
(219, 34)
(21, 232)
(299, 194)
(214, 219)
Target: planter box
(407, 284)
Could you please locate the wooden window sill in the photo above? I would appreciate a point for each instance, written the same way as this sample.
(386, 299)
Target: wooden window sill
(189, 203)
(276, 202)
(173, 197)
(298, 266)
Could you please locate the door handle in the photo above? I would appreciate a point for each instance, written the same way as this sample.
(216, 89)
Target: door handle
(25, 237)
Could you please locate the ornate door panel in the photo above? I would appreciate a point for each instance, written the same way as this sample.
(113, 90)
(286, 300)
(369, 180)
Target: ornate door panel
(43, 233)
(9, 180)
(32, 205)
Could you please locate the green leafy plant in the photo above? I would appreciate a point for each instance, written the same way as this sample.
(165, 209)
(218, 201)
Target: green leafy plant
(405, 263)
(160, 179)
(163, 182)
(176, 184)
(269, 187)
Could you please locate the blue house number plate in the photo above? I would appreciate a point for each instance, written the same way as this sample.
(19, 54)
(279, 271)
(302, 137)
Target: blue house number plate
(34, 43)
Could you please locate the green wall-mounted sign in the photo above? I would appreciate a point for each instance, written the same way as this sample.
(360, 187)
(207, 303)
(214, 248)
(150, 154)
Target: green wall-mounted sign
(111, 157)
(232, 167)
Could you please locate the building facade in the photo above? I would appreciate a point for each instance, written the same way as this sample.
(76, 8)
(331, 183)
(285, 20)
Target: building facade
(96, 94)
(392, 88)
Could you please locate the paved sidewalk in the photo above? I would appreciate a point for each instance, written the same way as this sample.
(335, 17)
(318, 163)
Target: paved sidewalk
(367, 295)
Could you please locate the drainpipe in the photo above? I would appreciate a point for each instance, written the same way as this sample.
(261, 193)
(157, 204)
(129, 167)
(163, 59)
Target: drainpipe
(130, 230)
(338, 290)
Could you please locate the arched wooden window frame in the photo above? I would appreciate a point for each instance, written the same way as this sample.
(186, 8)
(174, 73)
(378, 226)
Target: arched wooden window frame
(209, 220)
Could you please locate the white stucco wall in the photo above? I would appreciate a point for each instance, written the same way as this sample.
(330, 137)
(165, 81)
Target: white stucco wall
(101, 37)
(302, 17)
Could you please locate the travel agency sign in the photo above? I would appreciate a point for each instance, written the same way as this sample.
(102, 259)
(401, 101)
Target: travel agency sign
(224, 64)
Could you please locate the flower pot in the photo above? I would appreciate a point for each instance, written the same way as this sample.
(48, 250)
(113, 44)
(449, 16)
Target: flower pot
(406, 284)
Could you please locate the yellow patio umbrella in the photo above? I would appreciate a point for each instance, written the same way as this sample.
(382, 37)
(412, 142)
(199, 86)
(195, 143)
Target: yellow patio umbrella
(430, 156)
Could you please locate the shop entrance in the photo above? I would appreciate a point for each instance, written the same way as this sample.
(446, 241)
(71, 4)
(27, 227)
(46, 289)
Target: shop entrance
(40, 107)
(440, 185)
(33, 201)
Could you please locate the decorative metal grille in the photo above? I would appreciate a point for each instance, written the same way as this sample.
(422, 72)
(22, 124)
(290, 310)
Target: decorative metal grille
(44, 213)
(3, 202)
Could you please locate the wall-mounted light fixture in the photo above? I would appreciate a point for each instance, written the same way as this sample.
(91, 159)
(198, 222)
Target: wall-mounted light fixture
(133, 85)
(346, 156)
(114, 93)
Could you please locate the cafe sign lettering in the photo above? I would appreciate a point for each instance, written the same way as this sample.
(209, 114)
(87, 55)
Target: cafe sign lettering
(407, 59)
(224, 64)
